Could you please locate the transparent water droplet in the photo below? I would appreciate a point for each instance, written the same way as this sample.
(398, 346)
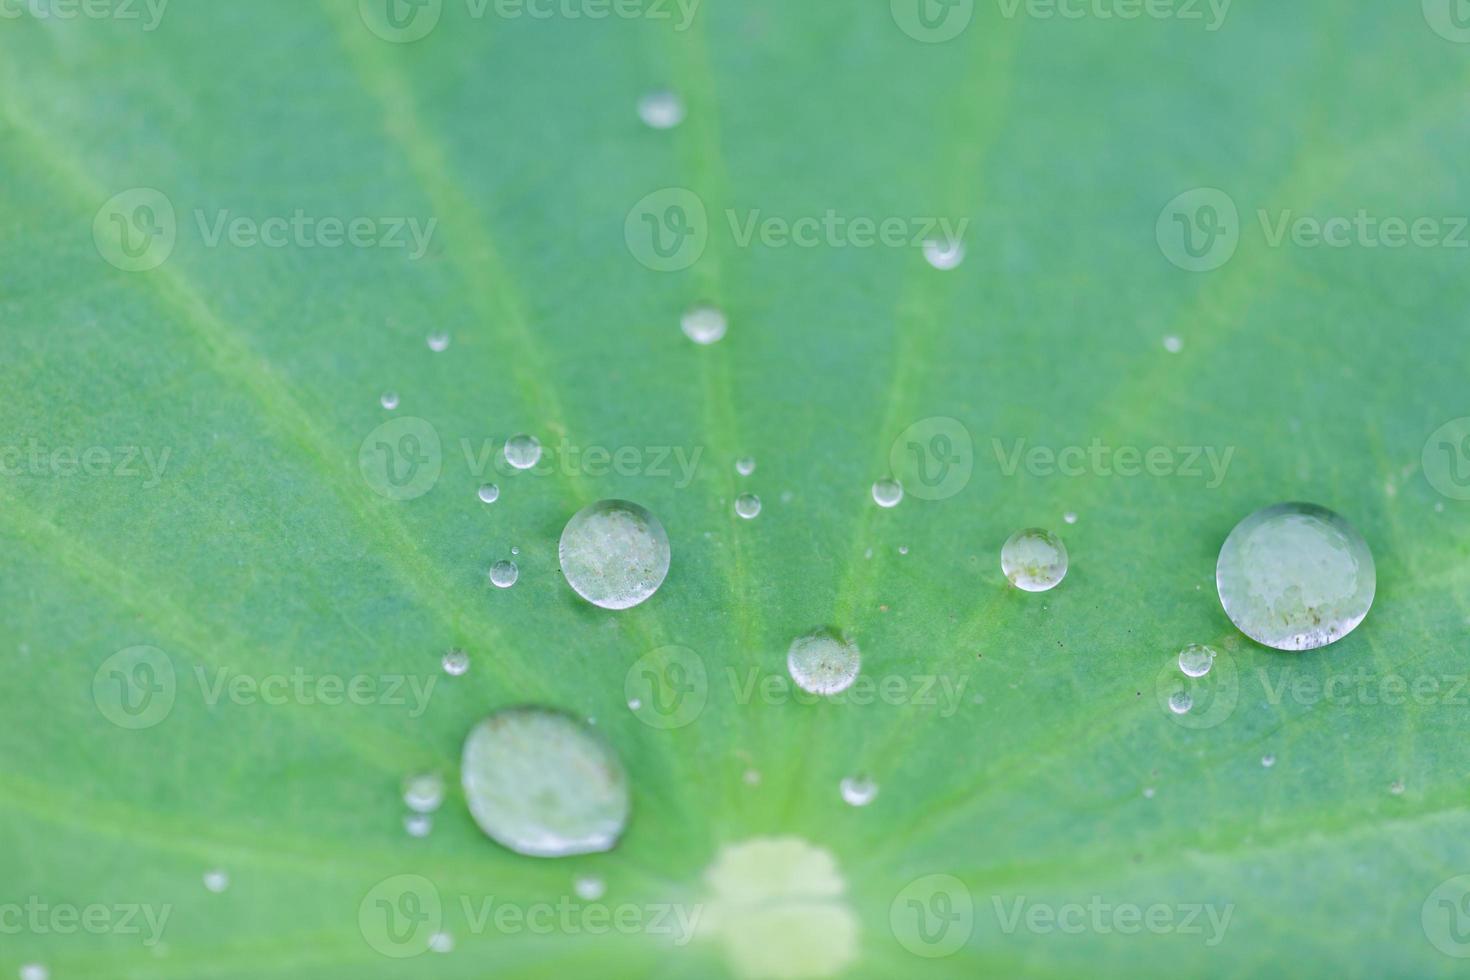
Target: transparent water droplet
(1148, 792)
(1396, 787)
(216, 880)
(887, 493)
(503, 574)
(944, 254)
(614, 553)
(589, 888)
(704, 324)
(745, 465)
(1268, 760)
(523, 451)
(823, 662)
(418, 824)
(34, 971)
(903, 549)
(1034, 560)
(456, 662)
(1196, 659)
(635, 704)
(441, 942)
(438, 342)
(1070, 517)
(424, 792)
(541, 783)
(748, 506)
(1173, 344)
(489, 493)
(661, 109)
(752, 777)
(1180, 702)
(859, 790)
(389, 400)
(1295, 577)
(514, 550)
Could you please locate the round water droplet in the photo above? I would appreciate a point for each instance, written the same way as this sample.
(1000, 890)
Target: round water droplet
(635, 704)
(614, 554)
(34, 971)
(589, 888)
(523, 451)
(216, 880)
(424, 792)
(1034, 560)
(859, 790)
(745, 465)
(503, 574)
(514, 550)
(752, 777)
(903, 549)
(489, 493)
(418, 824)
(1396, 787)
(541, 783)
(439, 342)
(1180, 702)
(944, 254)
(1173, 344)
(1268, 760)
(1197, 659)
(1295, 577)
(704, 324)
(389, 400)
(661, 110)
(748, 506)
(441, 942)
(456, 662)
(887, 493)
(823, 662)
(1070, 517)
(1148, 792)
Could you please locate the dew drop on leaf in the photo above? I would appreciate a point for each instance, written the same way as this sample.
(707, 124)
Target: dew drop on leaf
(859, 790)
(944, 254)
(748, 506)
(1196, 659)
(887, 493)
(823, 662)
(423, 792)
(745, 465)
(661, 110)
(704, 324)
(614, 553)
(523, 451)
(456, 662)
(1034, 560)
(503, 574)
(489, 493)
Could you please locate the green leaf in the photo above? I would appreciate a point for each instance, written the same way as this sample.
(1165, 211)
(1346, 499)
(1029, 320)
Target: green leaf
(229, 230)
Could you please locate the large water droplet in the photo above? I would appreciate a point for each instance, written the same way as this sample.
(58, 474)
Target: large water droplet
(523, 451)
(614, 553)
(1034, 560)
(1295, 577)
(859, 790)
(423, 792)
(1197, 659)
(704, 324)
(944, 254)
(489, 493)
(748, 506)
(503, 574)
(661, 110)
(823, 662)
(541, 783)
(456, 662)
(887, 493)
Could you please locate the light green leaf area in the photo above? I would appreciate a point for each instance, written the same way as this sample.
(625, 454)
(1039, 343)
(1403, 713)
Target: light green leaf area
(185, 450)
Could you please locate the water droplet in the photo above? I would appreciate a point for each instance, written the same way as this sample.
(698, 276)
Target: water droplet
(514, 550)
(1148, 792)
(635, 704)
(489, 493)
(903, 549)
(523, 451)
(1197, 659)
(541, 783)
(887, 493)
(439, 342)
(1034, 560)
(748, 506)
(944, 254)
(704, 324)
(1295, 577)
(1268, 760)
(1173, 344)
(661, 110)
(823, 662)
(456, 662)
(745, 465)
(389, 400)
(503, 574)
(1070, 517)
(34, 971)
(1396, 787)
(1180, 702)
(418, 824)
(614, 554)
(441, 942)
(859, 790)
(589, 888)
(216, 880)
(424, 792)
(752, 777)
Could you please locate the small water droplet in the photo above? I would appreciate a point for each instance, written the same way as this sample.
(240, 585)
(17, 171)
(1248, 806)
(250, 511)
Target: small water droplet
(745, 465)
(1034, 560)
(635, 704)
(661, 109)
(1196, 659)
(489, 493)
(868, 553)
(216, 880)
(456, 662)
(439, 342)
(903, 549)
(418, 824)
(1180, 702)
(748, 506)
(887, 493)
(541, 783)
(859, 790)
(1295, 577)
(1148, 792)
(1268, 760)
(34, 971)
(514, 550)
(424, 792)
(503, 574)
(441, 942)
(1396, 787)
(1173, 344)
(389, 400)
(1070, 517)
(589, 888)
(523, 451)
(823, 662)
(752, 777)
(614, 553)
(704, 324)
(944, 254)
